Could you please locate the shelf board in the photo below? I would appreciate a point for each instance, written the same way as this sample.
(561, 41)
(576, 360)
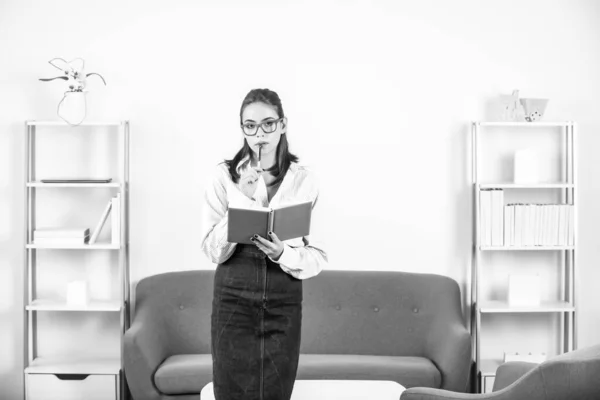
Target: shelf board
(504, 307)
(74, 365)
(488, 367)
(523, 123)
(519, 248)
(63, 123)
(95, 246)
(78, 185)
(58, 305)
(557, 185)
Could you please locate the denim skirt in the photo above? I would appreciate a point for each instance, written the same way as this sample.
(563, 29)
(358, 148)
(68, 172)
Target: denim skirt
(255, 328)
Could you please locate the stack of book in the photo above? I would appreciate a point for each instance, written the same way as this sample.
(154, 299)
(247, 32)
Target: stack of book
(524, 224)
(532, 224)
(61, 236)
(79, 236)
(491, 217)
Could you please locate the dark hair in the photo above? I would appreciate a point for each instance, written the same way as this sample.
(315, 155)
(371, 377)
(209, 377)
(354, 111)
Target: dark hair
(283, 158)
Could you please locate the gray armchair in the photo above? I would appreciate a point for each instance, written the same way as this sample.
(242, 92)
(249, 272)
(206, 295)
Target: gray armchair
(574, 376)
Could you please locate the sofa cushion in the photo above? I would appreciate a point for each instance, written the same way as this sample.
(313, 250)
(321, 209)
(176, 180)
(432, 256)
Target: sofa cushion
(184, 373)
(408, 371)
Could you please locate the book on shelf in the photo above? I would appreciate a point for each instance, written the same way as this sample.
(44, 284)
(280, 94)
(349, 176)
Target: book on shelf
(101, 222)
(287, 222)
(519, 210)
(61, 232)
(509, 232)
(492, 217)
(497, 217)
(113, 209)
(61, 236)
(544, 234)
(485, 200)
(535, 224)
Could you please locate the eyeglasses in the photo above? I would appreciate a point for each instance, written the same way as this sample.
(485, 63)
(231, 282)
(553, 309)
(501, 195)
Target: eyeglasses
(250, 128)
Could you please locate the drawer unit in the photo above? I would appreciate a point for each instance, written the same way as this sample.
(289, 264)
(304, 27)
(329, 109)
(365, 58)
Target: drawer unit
(487, 383)
(72, 387)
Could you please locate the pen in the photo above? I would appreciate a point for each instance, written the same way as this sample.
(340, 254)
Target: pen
(259, 154)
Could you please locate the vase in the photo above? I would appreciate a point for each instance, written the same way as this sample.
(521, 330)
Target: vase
(72, 107)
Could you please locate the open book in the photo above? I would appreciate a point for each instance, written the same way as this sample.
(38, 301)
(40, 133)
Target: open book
(287, 222)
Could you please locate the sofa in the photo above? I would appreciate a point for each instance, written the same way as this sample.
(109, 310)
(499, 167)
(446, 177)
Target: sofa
(365, 325)
(574, 375)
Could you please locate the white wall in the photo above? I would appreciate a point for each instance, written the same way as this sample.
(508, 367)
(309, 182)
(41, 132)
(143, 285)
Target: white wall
(378, 96)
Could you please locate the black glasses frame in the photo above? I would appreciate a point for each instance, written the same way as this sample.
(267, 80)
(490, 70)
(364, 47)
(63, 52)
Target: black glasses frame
(262, 126)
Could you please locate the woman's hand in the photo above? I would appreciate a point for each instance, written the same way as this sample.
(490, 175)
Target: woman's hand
(249, 181)
(273, 248)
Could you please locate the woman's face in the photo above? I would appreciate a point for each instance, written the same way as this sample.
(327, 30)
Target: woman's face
(256, 113)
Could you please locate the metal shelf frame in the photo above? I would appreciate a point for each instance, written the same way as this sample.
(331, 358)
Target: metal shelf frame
(567, 304)
(65, 364)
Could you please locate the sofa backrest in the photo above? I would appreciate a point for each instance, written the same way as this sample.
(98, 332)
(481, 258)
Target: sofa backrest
(181, 301)
(376, 312)
(363, 312)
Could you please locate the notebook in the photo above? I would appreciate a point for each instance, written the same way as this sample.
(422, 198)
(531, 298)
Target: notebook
(287, 222)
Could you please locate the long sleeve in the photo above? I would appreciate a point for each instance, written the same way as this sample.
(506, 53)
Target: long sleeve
(303, 262)
(214, 219)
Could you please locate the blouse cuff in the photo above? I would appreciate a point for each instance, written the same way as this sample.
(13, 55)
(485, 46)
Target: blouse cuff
(289, 258)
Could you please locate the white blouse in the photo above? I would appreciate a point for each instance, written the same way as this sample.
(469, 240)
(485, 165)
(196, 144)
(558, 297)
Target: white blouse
(302, 257)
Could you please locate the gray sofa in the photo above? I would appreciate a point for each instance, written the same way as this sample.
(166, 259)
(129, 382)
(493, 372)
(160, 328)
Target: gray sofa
(404, 327)
(574, 376)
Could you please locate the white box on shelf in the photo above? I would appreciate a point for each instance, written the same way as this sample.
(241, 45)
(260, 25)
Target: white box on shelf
(526, 166)
(77, 293)
(524, 290)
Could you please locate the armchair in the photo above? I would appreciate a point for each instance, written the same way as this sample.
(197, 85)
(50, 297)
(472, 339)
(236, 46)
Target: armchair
(574, 375)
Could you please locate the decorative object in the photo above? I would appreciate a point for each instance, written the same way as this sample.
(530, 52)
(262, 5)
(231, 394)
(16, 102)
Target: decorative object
(72, 107)
(511, 107)
(526, 166)
(77, 293)
(524, 290)
(534, 108)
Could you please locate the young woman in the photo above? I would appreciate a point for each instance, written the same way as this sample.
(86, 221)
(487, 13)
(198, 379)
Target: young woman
(257, 303)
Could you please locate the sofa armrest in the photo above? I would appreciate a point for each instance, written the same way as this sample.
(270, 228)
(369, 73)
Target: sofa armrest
(145, 347)
(448, 345)
(530, 387)
(509, 372)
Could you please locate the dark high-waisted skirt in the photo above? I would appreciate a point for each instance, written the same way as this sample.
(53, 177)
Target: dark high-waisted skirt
(255, 328)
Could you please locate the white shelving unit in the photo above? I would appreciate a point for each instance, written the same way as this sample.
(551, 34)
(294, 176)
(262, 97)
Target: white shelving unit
(74, 376)
(565, 305)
